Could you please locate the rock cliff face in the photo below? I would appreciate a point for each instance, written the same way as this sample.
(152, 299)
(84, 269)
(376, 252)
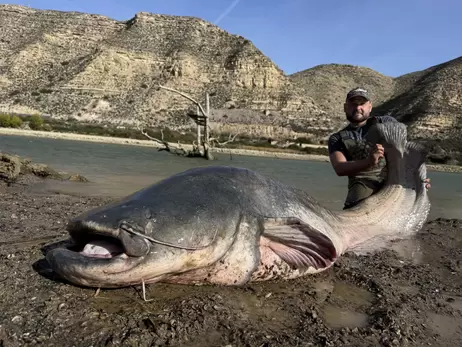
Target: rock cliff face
(328, 85)
(93, 68)
(430, 102)
(96, 69)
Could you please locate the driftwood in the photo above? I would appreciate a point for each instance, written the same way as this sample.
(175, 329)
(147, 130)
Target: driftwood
(231, 138)
(203, 145)
(174, 149)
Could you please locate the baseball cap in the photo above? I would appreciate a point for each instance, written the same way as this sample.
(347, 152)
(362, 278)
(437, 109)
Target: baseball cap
(358, 92)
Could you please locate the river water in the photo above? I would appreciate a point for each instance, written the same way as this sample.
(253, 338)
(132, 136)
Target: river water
(118, 170)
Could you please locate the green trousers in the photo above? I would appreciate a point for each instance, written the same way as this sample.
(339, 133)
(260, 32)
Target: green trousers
(360, 189)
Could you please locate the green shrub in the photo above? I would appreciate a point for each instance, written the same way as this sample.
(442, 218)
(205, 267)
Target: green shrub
(15, 121)
(35, 122)
(7, 121)
(47, 127)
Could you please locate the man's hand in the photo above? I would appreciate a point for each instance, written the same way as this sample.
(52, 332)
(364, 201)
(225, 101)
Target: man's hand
(376, 153)
(427, 183)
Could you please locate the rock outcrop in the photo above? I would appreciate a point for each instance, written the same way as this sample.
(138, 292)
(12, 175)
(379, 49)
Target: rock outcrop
(93, 68)
(430, 102)
(13, 167)
(328, 85)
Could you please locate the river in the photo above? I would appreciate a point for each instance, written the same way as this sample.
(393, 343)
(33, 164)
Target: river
(118, 170)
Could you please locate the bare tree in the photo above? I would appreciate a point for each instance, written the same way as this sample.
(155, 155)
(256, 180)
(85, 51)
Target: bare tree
(231, 138)
(203, 145)
(171, 148)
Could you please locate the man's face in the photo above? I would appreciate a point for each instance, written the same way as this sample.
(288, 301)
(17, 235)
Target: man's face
(357, 109)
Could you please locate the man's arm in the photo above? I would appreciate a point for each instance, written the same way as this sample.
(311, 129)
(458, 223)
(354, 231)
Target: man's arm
(341, 166)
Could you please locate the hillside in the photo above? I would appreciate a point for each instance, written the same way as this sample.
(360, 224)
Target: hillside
(430, 102)
(92, 68)
(328, 85)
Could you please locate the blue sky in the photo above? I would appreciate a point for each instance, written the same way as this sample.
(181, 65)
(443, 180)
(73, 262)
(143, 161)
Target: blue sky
(393, 37)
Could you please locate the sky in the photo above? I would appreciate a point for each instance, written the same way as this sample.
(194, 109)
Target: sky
(393, 37)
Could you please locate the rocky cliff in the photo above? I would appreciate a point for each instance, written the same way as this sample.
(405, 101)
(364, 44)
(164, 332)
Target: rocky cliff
(96, 69)
(428, 101)
(328, 85)
(93, 68)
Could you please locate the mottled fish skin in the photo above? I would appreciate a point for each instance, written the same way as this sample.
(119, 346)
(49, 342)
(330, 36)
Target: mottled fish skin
(230, 226)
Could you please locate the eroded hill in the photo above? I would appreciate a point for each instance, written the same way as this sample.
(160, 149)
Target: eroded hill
(93, 68)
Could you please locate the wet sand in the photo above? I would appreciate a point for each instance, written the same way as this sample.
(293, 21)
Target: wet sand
(410, 295)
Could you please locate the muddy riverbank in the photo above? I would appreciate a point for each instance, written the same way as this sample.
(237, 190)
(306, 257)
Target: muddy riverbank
(407, 296)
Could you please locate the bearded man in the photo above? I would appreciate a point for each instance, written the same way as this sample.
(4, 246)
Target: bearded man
(351, 155)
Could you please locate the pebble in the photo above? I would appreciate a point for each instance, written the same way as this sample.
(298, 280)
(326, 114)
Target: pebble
(16, 319)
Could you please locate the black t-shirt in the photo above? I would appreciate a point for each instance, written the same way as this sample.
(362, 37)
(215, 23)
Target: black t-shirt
(356, 133)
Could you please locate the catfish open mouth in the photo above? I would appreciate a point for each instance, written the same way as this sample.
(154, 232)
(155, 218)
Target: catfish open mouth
(99, 247)
(95, 241)
(98, 255)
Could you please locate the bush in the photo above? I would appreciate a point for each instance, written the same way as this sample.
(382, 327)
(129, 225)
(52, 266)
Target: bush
(15, 121)
(304, 140)
(35, 122)
(7, 121)
(47, 127)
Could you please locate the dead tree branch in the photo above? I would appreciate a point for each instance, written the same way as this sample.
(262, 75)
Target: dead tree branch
(161, 142)
(231, 138)
(201, 148)
(201, 120)
(187, 97)
(167, 146)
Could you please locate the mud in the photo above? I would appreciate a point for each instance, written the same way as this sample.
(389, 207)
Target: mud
(409, 295)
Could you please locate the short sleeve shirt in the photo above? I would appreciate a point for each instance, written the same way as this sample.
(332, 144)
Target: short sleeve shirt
(335, 142)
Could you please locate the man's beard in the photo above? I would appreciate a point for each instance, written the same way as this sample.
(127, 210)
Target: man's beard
(357, 117)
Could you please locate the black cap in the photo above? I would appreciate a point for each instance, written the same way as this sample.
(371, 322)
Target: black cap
(358, 92)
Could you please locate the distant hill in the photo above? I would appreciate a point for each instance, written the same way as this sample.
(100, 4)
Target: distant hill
(92, 68)
(328, 85)
(430, 102)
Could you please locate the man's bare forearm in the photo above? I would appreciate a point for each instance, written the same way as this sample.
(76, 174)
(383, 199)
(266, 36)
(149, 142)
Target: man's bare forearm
(350, 168)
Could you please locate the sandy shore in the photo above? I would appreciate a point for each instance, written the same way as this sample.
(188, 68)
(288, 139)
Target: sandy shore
(148, 143)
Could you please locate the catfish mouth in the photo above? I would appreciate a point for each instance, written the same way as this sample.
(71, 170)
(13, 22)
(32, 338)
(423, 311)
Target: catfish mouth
(98, 255)
(96, 241)
(98, 246)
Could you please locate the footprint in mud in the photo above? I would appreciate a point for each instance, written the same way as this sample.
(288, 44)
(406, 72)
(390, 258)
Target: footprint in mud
(322, 290)
(410, 250)
(270, 311)
(336, 317)
(455, 302)
(345, 306)
(445, 326)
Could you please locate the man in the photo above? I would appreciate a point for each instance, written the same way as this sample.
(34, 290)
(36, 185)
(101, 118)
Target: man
(350, 154)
